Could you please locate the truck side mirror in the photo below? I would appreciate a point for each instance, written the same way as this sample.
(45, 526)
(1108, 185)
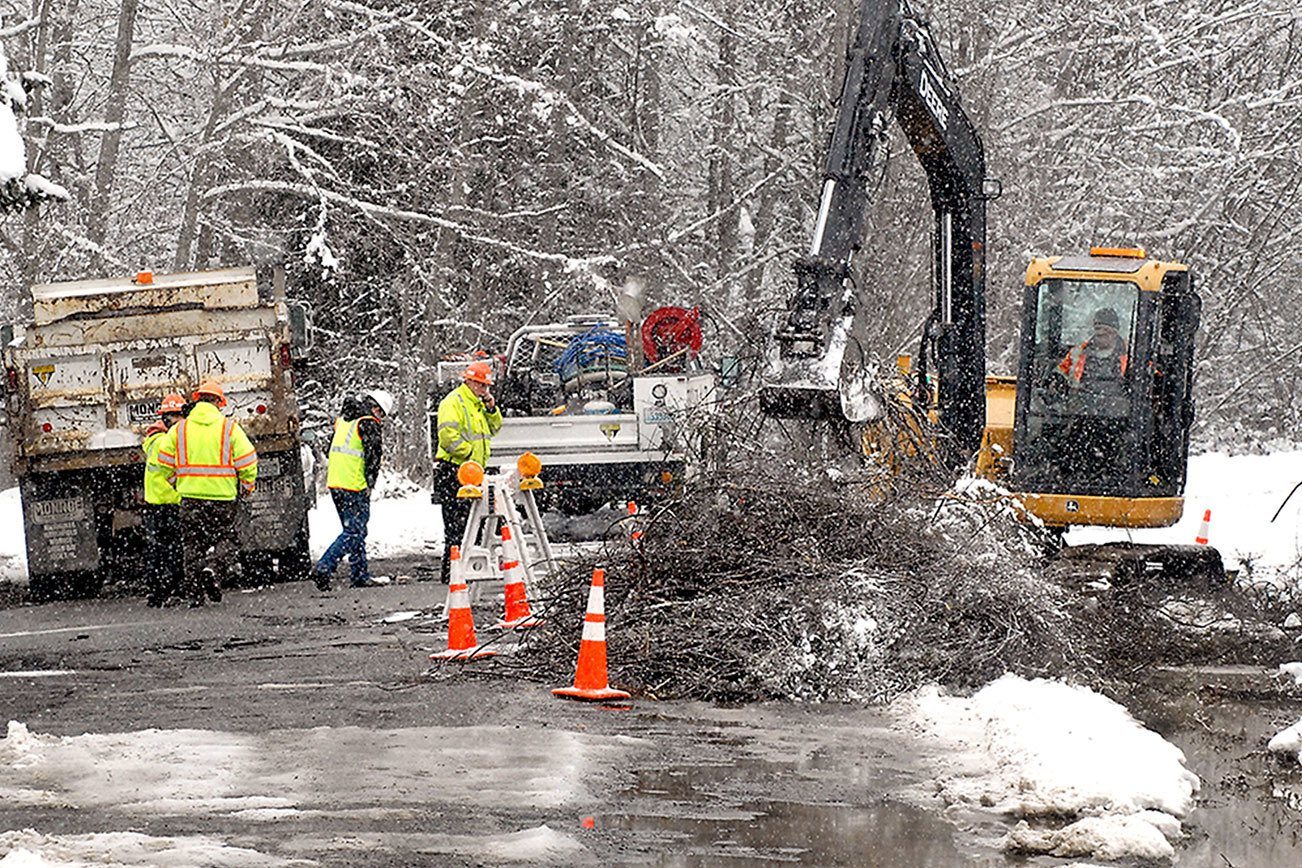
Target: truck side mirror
(300, 331)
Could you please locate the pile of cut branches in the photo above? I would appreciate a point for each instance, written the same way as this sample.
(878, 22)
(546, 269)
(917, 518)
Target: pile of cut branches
(776, 579)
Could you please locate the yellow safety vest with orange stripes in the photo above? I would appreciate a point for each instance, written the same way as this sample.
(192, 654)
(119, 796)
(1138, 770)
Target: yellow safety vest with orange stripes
(347, 464)
(209, 455)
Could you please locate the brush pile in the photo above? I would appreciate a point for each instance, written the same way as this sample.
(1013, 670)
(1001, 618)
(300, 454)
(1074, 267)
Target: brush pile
(775, 579)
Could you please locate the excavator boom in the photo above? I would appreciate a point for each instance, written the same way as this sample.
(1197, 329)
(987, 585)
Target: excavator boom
(894, 74)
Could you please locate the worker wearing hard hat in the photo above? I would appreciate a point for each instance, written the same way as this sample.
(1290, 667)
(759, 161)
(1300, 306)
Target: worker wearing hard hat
(354, 465)
(162, 508)
(468, 418)
(212, 462)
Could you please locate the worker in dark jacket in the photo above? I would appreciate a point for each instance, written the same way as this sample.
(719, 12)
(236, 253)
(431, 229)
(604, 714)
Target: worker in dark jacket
(163, 560)
(354, 465)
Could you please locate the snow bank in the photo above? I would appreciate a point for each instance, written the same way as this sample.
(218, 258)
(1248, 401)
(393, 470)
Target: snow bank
(1289, 741)
(31, 849)
(1045, 750)
(1243, 492)
(1291, 670)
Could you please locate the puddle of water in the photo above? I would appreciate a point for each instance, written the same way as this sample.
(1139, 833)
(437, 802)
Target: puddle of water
(689, 818)
(1249, 811)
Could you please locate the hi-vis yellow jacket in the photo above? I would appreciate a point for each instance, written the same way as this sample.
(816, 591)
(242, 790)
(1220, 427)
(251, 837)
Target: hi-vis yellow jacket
(209, 455)
(157, 488)
(466, 428)
(347, 464)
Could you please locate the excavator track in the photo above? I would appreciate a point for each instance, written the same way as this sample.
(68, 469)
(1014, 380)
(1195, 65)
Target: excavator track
(1123, 564)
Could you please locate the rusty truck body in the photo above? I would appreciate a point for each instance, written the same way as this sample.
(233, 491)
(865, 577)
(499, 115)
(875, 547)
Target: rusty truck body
(83, 381)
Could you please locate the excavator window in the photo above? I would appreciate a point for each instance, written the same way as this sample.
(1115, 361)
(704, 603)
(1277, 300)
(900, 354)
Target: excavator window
(1081, 384)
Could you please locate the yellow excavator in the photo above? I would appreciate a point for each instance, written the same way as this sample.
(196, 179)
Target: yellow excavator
(1094, 427)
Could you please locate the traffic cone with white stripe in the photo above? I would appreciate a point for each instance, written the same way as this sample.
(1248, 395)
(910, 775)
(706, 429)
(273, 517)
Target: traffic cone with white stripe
(591, 682)
(1201, 539)
(517, 596)
(462, 644)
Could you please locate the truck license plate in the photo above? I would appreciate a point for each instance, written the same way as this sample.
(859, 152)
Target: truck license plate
(657, 415)
(142, 412)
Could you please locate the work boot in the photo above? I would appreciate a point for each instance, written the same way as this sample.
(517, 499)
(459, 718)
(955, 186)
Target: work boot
(321, 580)
(154, 601)
(213, 585)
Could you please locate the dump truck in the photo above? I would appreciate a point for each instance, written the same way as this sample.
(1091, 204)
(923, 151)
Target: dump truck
(607, 424)
(83, 381)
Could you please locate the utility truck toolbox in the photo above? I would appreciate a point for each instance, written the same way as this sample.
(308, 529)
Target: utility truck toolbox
(83, 382)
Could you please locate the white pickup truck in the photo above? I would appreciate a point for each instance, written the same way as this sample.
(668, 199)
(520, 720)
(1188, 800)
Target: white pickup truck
(83, 381)
(606, 433)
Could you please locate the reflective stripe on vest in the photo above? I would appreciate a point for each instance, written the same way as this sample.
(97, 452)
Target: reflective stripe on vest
(225, 467)
(347, 463)
(204, 466)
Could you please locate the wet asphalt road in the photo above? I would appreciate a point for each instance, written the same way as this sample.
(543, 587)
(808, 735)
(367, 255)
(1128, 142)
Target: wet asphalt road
(363, 758)
(302, 729)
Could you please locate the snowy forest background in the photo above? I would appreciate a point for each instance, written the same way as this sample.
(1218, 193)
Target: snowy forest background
(435, 174)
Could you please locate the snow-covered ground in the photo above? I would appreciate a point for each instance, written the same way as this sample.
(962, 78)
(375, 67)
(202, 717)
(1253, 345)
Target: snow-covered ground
(403, 521)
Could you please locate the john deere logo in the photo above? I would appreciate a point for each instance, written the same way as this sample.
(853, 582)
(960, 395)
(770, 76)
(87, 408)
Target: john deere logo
(610, 429)
(43, 373)
(1073, 506)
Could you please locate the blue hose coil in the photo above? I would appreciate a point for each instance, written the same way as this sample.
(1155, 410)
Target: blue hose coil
(598, 353)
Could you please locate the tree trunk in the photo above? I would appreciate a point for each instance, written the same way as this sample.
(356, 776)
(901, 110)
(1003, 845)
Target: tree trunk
(114, 113)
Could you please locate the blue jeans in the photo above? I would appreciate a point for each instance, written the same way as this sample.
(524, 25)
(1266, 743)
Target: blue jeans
(354, 508)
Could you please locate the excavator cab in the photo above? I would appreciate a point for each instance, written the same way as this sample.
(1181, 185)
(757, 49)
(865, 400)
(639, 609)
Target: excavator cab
(1104, 399)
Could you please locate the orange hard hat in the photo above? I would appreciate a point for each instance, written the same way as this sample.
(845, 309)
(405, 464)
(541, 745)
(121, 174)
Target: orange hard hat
(173, 403)
(211, 388)
(478, 372)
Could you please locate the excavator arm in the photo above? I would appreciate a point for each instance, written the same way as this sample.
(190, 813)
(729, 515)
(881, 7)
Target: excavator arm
(894, 72)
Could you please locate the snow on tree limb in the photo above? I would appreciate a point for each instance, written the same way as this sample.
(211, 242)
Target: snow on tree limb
(548, 97)
(373, 209)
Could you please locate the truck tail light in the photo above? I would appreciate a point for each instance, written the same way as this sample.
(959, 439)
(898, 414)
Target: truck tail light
(261, 408)
(47, 427)
(11, 377)
(285, 359)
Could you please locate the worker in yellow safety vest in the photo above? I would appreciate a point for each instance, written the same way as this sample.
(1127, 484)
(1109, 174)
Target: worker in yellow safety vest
(211, 462)
(162, 508)
(354, 464)
(468, 418)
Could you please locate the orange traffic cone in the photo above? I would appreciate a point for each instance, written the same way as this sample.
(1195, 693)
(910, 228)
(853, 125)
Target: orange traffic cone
(517, 597)
(462, 644)
(634, 530)
(590, 680)
(1201, 539)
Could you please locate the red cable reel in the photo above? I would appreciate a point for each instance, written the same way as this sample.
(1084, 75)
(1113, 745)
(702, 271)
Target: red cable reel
(671, 330)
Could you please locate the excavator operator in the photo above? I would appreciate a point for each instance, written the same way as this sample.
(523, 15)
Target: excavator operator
(1099, 363)
(1098, 398)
